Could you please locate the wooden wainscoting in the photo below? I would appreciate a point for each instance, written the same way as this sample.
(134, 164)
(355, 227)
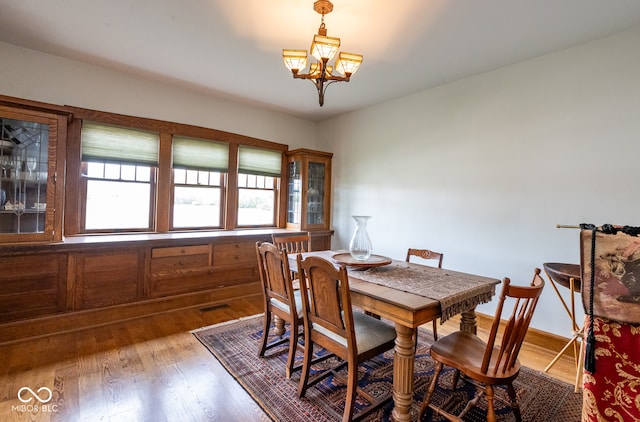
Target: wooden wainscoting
(97, 280)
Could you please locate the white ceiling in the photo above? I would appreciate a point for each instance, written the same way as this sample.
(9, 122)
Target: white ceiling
(232, 48)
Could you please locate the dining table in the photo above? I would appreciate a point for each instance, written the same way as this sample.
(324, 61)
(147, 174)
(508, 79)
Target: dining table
(409, 295)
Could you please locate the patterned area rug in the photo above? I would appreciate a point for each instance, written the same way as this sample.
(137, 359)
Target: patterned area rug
(235, 345)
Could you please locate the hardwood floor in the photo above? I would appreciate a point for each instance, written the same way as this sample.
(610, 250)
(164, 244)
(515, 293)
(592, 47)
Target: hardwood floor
(150, 369)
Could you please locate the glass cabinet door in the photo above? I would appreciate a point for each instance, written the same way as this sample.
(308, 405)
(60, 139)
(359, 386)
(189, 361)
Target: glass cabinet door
(308, 189)
(294, 192)
(26, 196)
(315, 193)
(24, 150)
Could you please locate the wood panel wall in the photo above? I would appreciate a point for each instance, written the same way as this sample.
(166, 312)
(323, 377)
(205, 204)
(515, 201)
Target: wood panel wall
(86, 277)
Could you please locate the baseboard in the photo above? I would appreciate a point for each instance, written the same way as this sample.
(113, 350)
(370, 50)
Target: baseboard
(17, 331)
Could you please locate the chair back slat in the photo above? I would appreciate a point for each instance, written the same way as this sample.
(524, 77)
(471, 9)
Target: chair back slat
(425, 254)
(296, 243)
(512, 330)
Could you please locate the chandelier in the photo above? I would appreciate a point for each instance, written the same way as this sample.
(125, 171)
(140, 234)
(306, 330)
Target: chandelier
(323, 49)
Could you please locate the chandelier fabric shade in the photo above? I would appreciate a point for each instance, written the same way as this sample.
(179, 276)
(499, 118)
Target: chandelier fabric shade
(295, 59)
(348, 63)
(323, 49)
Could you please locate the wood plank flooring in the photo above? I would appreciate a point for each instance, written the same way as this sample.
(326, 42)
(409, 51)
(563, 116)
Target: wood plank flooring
(149, 369)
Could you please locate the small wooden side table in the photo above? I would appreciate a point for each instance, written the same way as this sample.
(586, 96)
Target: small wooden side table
(568, 276)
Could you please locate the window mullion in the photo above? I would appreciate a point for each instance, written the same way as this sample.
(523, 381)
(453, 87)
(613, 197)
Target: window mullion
(164, 191)
(231, 193)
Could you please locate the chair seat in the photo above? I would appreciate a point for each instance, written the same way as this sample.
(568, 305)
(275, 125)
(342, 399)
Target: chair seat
(370, 332)
(285, 307)
(447, 350)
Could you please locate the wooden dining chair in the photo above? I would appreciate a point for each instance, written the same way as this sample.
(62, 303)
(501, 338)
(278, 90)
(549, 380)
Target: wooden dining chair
(330, 322)
(280, 299)
(293, 243)
(427, 254)
(490, 363)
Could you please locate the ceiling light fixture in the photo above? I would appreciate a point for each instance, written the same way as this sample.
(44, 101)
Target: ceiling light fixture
(323, 48)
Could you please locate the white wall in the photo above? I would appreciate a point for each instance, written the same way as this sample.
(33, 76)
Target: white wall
(484, 168)
(43, 77)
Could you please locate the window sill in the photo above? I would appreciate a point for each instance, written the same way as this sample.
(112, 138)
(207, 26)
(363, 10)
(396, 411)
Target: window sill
(84, 242)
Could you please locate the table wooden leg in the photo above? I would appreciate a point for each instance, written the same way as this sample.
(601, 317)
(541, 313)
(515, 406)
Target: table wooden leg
(468, 322)
(403, 363)
(279, 323)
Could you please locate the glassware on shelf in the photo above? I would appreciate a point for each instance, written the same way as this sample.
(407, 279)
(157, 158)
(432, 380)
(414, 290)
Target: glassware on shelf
(5, 163)
(295, 196)
(24, 159)
(315, 193)
(360, 246)
(31, 164)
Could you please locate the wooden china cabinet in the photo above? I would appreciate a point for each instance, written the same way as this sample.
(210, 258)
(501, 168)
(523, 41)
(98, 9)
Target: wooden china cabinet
(28, 174)
(309, 194)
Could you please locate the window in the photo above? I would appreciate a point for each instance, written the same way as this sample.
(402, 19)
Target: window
(118, 196)
(144, 175)
(199, 170)
(118, 167)
(258, 180)
(256, 200)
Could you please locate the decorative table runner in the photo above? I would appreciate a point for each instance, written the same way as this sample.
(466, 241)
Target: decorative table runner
(456, 292)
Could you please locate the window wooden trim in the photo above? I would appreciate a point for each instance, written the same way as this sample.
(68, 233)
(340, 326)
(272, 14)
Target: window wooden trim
(164, 180)
(164, 195)
(180, 129)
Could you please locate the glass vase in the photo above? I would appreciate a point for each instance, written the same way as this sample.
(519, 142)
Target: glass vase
(360, 246)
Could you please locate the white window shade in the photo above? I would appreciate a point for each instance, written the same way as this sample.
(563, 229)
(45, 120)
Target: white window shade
(115, 144)
(258, 161)
(189, 153)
